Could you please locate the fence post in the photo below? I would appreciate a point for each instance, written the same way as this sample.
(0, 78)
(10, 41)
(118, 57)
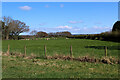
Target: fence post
(105, 51)
(71, 51)
(25, 50)
(8, 51)
(45, 51)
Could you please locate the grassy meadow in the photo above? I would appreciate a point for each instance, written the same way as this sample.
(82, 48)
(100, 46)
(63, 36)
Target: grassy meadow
(15, 67)
(80, 47)
(26, 68)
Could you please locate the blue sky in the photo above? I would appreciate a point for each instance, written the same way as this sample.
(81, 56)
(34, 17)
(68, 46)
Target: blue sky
(60, 0)
(76, 17)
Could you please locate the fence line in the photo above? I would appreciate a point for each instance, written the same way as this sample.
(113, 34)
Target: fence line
(8, 51)
(71, 53)
(25, 50)
(105, 51)
(45, 51)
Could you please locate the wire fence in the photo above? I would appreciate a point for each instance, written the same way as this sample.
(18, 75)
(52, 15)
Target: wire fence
(45, 51)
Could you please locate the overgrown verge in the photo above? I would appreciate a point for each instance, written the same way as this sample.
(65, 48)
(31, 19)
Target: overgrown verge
(105, 60)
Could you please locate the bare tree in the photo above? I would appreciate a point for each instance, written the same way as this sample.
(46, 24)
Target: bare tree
(13, 27)
(34, 33)
(7, 27)
(18, 27)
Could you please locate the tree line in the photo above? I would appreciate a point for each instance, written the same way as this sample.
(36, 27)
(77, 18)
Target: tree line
(51, 34)
(11, 29)
(41, 34)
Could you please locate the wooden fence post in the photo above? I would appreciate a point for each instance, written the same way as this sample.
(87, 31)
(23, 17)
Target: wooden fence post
(25, 50)
(71, 51)
(105, 51)
(45, 51)
(8, 51)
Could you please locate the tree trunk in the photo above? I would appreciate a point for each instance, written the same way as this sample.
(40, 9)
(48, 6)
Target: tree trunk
(7, 36)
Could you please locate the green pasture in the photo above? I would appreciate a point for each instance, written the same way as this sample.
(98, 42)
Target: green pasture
(44, 68)
(16, 67)
(80, 47)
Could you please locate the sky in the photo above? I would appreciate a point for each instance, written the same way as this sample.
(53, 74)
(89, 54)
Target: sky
(75, 17)
(60, 0)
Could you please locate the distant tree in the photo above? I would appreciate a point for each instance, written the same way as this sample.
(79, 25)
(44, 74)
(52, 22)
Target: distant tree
(13, 28)
(33, 33)
(116, 27)
(52, 34)
(58, 34)
(6, 26)
(41, 34)
(66, 33)
(2, 26)
(63, 34)
(18, 27)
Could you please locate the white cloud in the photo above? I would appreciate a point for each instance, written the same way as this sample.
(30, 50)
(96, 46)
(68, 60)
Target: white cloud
(108, 27)
(76, 29)
(61, 5)
(98, 27)
(25, 8)
(64, 27)
(74, 22)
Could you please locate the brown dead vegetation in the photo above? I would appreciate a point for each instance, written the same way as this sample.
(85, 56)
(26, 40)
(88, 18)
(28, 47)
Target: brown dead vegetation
(105, 60)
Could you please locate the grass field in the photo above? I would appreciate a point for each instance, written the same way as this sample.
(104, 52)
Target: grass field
(81, 47)
(25, 68)
(15, 67)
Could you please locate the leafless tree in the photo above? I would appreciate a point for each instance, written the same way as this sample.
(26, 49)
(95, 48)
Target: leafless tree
(18, 27)
(13, 27)
(34, 33)
(7, 27)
